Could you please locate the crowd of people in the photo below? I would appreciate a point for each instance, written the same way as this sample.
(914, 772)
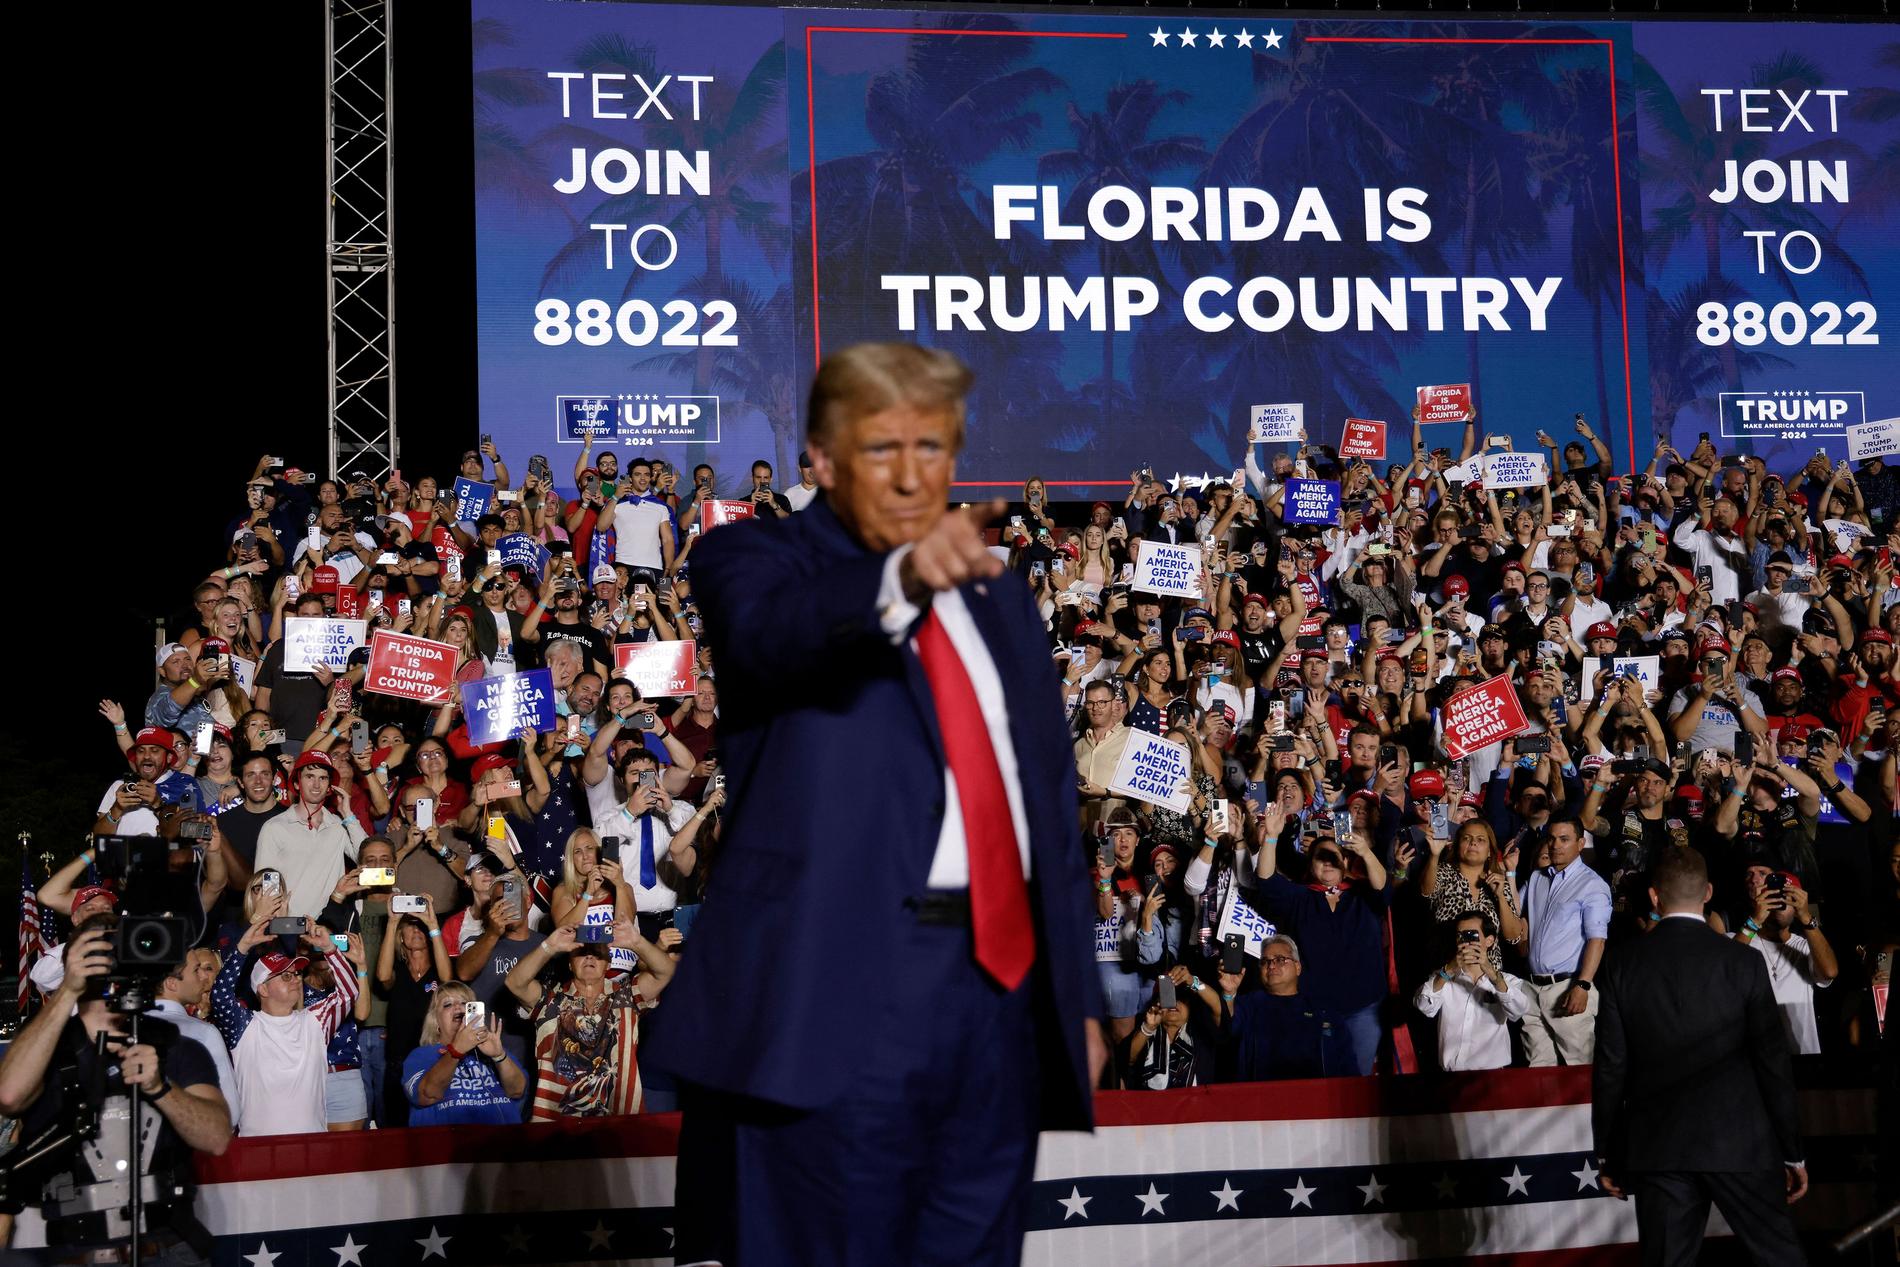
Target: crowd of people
(401, 926)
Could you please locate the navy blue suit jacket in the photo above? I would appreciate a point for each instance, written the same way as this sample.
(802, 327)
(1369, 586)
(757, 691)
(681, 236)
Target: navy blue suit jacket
(834, 766)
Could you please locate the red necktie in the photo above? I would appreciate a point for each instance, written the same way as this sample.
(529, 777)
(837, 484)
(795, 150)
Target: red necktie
(999, 900)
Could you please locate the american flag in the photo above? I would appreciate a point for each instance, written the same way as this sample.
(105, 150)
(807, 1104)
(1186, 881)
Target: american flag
(1472, 1168)
(32, 936)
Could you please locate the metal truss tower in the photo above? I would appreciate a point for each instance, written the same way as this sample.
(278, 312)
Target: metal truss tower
(358, 259)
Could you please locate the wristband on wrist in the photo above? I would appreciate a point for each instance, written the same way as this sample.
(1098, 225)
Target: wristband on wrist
(165, 1089)
(1751, 925)
(120, 727)
(435, 932)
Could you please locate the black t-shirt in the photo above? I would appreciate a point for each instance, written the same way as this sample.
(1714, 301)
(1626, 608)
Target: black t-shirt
(186, 1064)
(296, 699)
(491, 987)
(593, 643)
(422, 550)
(241, 826)
(408, 999)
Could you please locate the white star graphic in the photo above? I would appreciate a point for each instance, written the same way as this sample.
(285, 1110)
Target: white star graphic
(1188, 38)
(1587, 1177)
(1228, 1196)
(1301, 1194)
(518, 1239)
(598, 1238)
(1160, 38)
(1517, 1181)
(1151, 1201)
(1446, 1186)
(1215, 39)
(263, 1257)
(1270, 40)
(1373, 1189)
(1075, 1204)
(1244, 39)
(434, 1245)
(349, 1251)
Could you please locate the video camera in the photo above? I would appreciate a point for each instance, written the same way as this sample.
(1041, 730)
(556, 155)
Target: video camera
(152, 937)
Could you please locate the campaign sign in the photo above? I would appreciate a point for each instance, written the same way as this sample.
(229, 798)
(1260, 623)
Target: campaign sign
(658, 669)
(1646, 669)
(1312, 502)
(1482, 715)
(472, 500)
(1362, 438)
(349, 601)
(1469, 471)
(244, 673)
(1448, 402)
(1276, 422)
(713, 512)
(520, 550)
(1873, 439)
(409, 667)
(496, 707)
(579, 419)
(1505, 469)
(1240, 917)
(1164, 568)
(1154, 770)
(313, 640)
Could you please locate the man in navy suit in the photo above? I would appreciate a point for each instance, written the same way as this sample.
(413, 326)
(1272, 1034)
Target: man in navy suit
(890, 988)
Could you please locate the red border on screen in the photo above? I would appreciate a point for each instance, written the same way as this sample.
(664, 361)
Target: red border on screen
(1616, 166)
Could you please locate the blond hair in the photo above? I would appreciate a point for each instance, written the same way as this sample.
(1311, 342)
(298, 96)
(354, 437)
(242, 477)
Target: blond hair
(868, 378)
(432, 1015)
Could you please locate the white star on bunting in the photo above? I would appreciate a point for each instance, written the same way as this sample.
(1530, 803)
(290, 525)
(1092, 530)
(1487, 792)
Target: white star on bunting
(1301, 1194)
(517, 1238)
(1160, 38)
(1271, 40)
(1244, 39)
(1228, 1196)
(1446, 1186)
(1151, 1201)
(1215, 39)
(1188, 38)
(1373, 1189)
(1517, 1182)
(263, 1257)
(600, 1236)
(434, 1245)
(1587, 1177)
(349, 1251)
(1075, 1204)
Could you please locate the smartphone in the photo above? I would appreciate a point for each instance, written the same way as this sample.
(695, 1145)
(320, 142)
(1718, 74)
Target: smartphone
(1164, 992)
(1217, 816)
(573, 726)
(1796, 585)
(1745, 748)
(1469, 936)
(403, 606)
(269, 881)
(1705, 575)
(202, 743)
(718, 783)
(610, 849)
(487, 439)
(1388, 753)
(593, 934)
(497, 791)
(425, 814)
(1276, 715)
(452, 567)
(1494, 442)
(494, 558)
(1440, 818)
(373, 877)
(511, 889)
(388, 559)
(194, 830)
(406, 904)
(289, 926)
(1532, 743)
(359, 736)
(341, 941)
(291, 587)
(1233, 953)
(474, 1015)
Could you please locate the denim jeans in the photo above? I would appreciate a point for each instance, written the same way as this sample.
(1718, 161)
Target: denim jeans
(1351, 1042)
(371, 1043)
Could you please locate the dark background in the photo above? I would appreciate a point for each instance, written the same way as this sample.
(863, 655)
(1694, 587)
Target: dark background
(180, 240)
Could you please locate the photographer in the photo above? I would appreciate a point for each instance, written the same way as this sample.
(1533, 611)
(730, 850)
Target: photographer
(176, 1078)
(278, 1047)
(1474, 1000)
(1800, 961)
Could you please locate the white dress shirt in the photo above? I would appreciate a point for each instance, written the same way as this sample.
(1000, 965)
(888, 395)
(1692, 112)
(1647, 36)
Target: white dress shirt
(1473, 1018)
(950, 865)
(206, 1035)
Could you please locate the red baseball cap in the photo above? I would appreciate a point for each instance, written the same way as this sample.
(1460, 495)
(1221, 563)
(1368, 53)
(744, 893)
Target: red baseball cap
(157, 736)
(325, 580)
(1602, 629)
(1257, 598)
(1516, 567)
(275, 963)
(1457, 585)
(1793, 732)
(1224, 638)
(312, 756)
(91, 891)
(1878, 635)
(492, 761)
(1428, 783)
(1786, 673)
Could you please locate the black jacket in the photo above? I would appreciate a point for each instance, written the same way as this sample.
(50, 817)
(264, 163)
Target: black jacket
(1694, 1070)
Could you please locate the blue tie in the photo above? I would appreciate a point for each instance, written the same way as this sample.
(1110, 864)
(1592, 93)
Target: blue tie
(648, 878)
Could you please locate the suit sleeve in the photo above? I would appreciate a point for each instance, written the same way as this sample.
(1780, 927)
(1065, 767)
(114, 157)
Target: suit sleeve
(1609, 1072)
(751, 577)
(1772, 1056)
